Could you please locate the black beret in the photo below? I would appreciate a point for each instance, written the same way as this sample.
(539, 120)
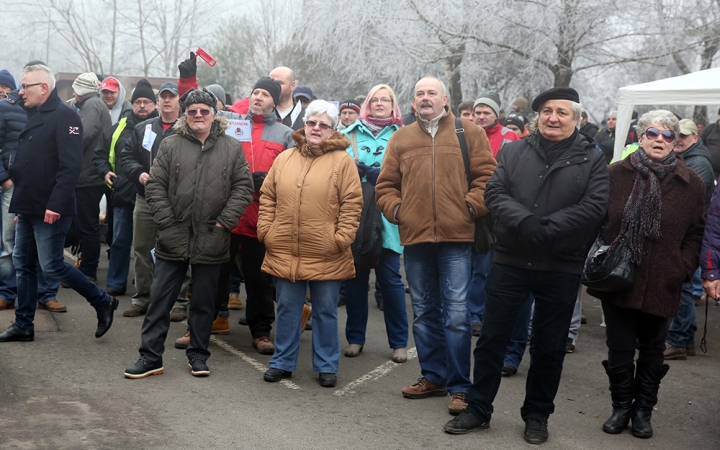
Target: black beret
(558, 93)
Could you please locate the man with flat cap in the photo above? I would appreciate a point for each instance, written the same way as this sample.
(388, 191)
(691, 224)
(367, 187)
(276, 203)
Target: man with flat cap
(548, 194)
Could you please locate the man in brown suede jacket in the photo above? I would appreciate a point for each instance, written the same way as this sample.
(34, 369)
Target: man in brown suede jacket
(423, 188)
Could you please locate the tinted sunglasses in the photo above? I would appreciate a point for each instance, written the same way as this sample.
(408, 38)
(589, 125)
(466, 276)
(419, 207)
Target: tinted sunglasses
(314, 123)
(653, 133)
(194, 112)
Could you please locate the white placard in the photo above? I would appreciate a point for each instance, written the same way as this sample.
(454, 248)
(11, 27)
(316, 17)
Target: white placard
(240, 130)
(148, 138)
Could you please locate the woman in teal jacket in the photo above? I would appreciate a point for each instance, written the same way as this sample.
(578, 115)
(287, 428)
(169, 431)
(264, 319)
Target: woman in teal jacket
(379, 118)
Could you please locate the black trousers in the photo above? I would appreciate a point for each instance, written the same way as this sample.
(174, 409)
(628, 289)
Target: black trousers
(260, 310)
(87, 224)
(508, 288)
(226, 270)
(630, 329)
(167, 281)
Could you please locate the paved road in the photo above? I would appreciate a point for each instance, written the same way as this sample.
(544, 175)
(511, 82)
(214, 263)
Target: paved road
(66, 391)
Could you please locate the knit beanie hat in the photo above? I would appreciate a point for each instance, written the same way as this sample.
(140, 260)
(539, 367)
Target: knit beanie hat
(490, 99)
(217, 91)
(143, 89)
(521, 103)
(7, 79)
(270, 85)
(85, 83)
(352, 104)
(515, 119)
(193, 97)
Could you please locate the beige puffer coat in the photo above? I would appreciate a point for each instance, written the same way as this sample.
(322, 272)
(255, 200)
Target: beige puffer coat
(310, 207)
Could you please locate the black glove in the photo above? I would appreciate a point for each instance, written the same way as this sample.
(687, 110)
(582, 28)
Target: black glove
(188, 68)
(372, 175)
(258, 179)
(362, 168)
(532, 231)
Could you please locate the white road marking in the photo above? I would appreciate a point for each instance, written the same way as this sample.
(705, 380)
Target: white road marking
(252, 361)
(374, 374)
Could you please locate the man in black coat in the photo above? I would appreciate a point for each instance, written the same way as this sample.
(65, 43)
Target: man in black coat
(47, 166)
(548, 194)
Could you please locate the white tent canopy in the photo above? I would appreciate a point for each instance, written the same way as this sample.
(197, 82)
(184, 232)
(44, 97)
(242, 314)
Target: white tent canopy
(697, 88)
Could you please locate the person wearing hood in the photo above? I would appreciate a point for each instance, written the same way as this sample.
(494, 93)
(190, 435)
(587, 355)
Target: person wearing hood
(123, 189)
(198, 188)
(95, 118)
(113, 95)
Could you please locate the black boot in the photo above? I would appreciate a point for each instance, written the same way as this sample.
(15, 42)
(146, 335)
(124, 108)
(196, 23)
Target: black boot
(621, 391)
(647, 384)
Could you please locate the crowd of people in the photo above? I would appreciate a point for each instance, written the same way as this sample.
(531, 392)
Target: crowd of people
(299, 199)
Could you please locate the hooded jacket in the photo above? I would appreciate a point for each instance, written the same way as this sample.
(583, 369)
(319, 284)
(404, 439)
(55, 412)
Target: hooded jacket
(95, 118)
(48, 160)
(122, 107)
(12, 121)
(310, 211)
(191, 187)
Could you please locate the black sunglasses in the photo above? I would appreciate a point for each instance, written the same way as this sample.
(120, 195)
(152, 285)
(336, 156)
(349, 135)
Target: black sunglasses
(194, 112)
(653, 133)
(314, 123)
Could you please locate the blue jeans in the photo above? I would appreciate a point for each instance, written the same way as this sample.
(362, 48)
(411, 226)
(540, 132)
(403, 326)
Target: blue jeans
(47, 287)
(43, 243)
(8, 283)
(508, 288)
(684, 326)
(519, 337)
(439, 277)
(393, 292)
(119, 266)
(576, 320)
(325, 337)
(697, 289)
(476, 296)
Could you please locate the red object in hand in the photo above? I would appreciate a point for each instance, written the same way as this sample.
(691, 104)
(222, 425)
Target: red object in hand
(202, 54)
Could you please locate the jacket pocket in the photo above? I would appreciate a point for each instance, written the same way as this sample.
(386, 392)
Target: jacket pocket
(214, 242)
(507, 237)
(571, 247)
(173, 241)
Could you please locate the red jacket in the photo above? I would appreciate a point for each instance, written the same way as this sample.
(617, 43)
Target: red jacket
(499, 136)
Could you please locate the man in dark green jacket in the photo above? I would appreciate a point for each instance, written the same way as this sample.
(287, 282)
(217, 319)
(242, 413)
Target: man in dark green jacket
(198, 188)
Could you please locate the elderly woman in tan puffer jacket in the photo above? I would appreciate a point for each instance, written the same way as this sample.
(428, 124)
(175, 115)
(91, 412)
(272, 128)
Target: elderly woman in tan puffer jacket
(310, 207)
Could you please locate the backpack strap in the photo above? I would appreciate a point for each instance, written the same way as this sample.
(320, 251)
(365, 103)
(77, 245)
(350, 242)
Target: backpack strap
(353, 141)
(460, 131)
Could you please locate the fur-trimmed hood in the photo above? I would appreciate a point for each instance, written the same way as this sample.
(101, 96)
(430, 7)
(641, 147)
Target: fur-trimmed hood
(337, 141)
(219, 125)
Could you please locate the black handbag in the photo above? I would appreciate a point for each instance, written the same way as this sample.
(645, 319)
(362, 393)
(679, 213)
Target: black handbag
(608, 272)
(485, 238)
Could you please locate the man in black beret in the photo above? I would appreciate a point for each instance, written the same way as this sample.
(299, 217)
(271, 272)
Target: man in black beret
(549, 194)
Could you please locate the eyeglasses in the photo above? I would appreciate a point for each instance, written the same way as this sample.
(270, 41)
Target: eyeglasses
(653, 133)
(315, 123)
(194, 112)
(24, 87)
(143, 102)
(375, 101)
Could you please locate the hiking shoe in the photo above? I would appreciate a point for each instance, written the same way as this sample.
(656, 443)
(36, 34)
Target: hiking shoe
(178, 315)
(508, 371)
(690, 349)
(399, 355)
(464, 422)
(423, 389)
(263, 345)
(328, 379)
(234, 301)
(672, 353)
(53, 306)
(5, 304)
(476, 328)
(536, 431)
(220, 326)
(198, 367)
(143, 369)
(570, 346)
(135, 311)
(457, 403)
(183, 342)
(274, 375)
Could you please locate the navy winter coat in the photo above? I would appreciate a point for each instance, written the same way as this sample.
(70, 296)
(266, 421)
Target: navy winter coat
(12, 121)
(48, 160)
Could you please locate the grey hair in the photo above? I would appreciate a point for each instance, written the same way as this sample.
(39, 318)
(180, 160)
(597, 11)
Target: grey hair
(45, 73)
(613, 114)
(577, 113)
(317, 107)
(442, 85)
(658, 117)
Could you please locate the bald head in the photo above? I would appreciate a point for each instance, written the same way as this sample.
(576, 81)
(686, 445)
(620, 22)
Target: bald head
(430, 97)
(286, 77)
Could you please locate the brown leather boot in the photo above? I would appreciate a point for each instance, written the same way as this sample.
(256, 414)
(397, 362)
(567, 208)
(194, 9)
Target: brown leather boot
(183, 342)
(53, 306)
(306, 314)
(220, 326)
(263, 345)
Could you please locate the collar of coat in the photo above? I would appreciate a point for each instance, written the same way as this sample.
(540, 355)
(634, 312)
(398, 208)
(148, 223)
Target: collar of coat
(681, 170)
(218, 127)
(336, 141)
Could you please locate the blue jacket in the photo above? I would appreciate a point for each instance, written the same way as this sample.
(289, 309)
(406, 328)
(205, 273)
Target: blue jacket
(12, 121)
(371, 150)
(48, 160)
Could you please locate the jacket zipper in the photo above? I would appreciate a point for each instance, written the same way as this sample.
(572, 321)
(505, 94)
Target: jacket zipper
(177, 172)
(10, 163)
(433, 191)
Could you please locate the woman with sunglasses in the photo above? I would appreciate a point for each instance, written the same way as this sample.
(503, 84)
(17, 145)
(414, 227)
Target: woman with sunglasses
(656, 206)
(379, 118)
(310, 205)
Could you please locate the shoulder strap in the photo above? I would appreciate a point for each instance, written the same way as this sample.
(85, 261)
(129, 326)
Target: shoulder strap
(460, 131)
(353, 141)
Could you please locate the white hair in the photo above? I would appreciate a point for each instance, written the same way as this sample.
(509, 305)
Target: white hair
(45, 73)
(317, 107)
(577, 113)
